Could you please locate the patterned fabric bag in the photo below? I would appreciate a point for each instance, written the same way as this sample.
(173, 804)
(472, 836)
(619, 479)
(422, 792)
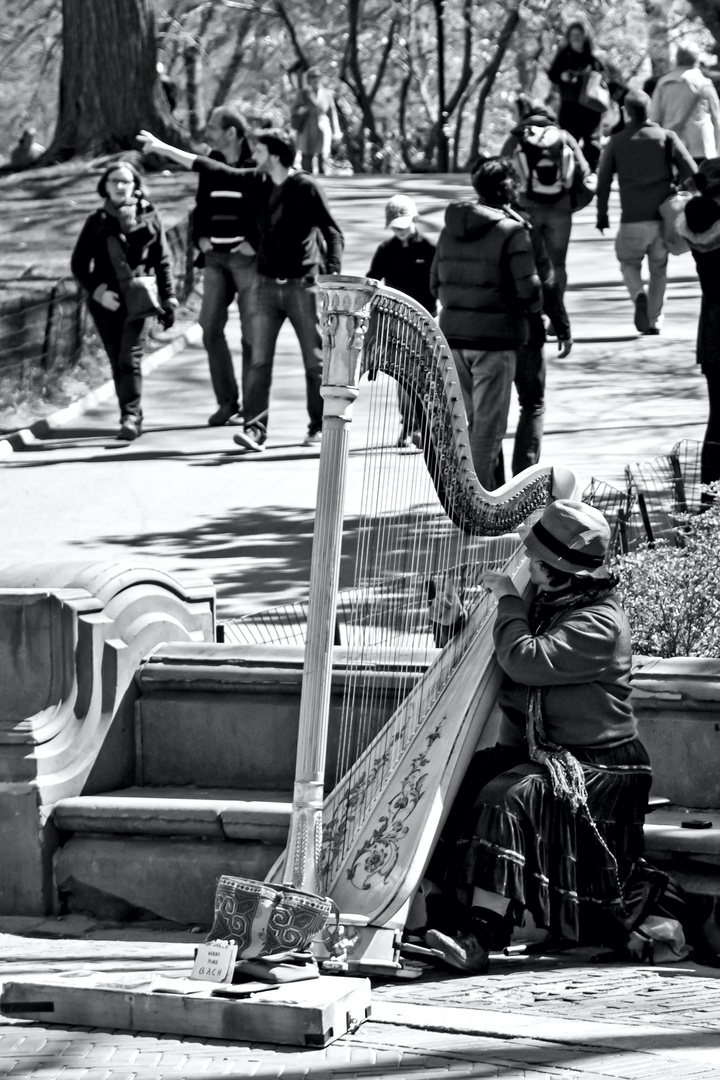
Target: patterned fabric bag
(266, 919)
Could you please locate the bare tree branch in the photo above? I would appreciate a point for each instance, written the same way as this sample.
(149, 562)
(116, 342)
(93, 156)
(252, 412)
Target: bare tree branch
(503, 42)
(282, 13)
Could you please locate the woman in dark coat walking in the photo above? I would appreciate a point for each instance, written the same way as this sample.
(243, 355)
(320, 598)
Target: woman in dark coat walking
(120, 245)
(701, 229)
(573, 61)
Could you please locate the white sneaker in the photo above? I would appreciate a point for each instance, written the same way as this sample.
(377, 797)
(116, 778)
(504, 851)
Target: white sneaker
(312, 438)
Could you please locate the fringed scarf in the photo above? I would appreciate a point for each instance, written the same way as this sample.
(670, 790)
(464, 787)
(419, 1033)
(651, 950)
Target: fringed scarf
(567, 779)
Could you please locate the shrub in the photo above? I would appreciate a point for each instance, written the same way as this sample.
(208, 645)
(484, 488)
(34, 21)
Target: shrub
(671, 592)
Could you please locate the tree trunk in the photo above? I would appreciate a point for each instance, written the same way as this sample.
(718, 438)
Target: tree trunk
(109, 84)
(193, 82)
(441, 139)
(658, 37)
(503, 43)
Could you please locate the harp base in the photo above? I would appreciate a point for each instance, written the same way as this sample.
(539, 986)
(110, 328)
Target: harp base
(362, 948)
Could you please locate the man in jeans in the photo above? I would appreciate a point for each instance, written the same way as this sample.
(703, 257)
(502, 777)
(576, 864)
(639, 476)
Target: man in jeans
(292, 216)
(485, 277)
(225, 231)
(645, 157)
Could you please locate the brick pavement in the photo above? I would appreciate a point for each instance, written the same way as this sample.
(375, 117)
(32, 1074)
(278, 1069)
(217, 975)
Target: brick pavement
(557, 1015)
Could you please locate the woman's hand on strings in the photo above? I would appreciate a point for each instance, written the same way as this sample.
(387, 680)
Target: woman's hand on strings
(498, 584)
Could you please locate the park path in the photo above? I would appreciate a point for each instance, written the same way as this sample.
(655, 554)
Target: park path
(183, 494)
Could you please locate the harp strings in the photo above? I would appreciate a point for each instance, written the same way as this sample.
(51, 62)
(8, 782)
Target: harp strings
(406, 548)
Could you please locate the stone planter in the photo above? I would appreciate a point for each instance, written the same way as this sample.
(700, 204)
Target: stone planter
(677, 704)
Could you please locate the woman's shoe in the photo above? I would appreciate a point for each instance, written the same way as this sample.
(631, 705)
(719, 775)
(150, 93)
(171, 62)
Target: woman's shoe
(130, 428)
(464, 952)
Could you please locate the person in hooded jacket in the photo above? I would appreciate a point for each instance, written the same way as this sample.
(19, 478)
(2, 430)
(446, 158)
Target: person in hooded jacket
(485, 278)
(551, 216)
(129, 225)
(701, 229)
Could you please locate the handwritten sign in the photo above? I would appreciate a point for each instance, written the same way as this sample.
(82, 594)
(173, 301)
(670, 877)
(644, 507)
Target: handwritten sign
(214, 961)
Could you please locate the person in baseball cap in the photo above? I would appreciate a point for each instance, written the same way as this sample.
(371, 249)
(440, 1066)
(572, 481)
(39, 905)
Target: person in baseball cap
(403, 262)
(400, 212)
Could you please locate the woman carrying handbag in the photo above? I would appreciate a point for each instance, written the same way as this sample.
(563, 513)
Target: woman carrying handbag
(122, 260)
(573, 67)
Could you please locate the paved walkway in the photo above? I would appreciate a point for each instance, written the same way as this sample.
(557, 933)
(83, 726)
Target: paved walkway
(184, 495)
(187, 496)
(558, 1015)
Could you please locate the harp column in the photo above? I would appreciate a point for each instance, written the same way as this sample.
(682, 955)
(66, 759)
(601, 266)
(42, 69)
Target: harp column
(344, 319)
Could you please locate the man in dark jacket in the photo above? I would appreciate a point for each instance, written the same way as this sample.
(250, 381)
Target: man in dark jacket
(645, 158)
(485, 277)
(225, 231)
(293, 218)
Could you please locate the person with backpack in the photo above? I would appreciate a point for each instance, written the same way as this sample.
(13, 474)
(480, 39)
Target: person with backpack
(546, 159)
(646, 159)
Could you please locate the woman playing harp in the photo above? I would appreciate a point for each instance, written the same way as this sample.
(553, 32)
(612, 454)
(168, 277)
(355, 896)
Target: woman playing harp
(549, 820)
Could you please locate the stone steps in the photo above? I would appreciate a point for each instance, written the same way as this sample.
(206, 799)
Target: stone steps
(208, 813)
(212, 752)
(160, 850)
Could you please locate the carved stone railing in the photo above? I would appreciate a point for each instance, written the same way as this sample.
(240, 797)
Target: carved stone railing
(71, 639)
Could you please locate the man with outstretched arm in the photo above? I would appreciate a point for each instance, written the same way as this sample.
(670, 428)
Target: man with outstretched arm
(292, 215)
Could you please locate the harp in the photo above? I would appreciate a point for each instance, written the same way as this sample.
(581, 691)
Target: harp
(414, 608)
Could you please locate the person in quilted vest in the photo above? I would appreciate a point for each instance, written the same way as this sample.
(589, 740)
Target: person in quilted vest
(485, 278)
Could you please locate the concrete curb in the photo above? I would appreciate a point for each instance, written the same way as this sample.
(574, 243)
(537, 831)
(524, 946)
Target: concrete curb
(29, 435)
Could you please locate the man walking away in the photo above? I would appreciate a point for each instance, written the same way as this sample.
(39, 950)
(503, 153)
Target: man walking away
(485, 277)
(546, 159)
(685, 101)
(225, 231)
(644, 157)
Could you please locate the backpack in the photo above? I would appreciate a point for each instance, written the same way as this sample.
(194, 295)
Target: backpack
(651, 923)
(545, 162)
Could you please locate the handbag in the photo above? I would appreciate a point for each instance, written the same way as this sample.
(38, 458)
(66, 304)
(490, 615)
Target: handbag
(299, 115)
(139, 292)
(141, 297)
(672, 210)
(582, 191)
(594, 92)
(267, 920)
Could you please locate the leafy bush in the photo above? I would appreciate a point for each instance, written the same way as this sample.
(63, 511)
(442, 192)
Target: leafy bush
(672, 592)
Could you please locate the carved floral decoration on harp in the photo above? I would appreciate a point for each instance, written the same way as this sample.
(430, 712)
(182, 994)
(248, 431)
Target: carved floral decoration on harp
(377, 857)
